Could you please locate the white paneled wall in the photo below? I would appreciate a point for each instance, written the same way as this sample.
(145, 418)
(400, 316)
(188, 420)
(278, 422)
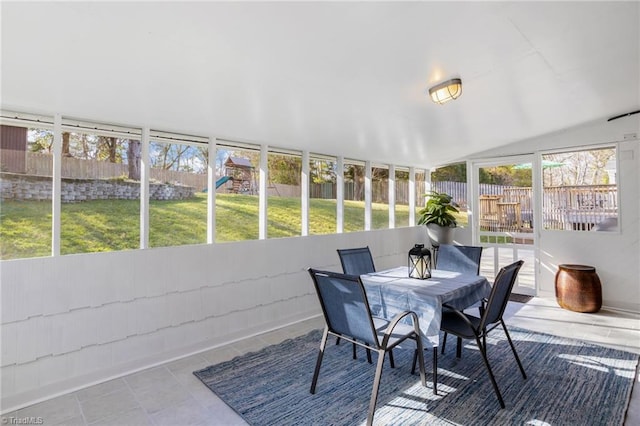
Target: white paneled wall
(75, 320)
(614, 254)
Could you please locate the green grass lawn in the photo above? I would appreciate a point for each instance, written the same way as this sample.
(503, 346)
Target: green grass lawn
(109, 225)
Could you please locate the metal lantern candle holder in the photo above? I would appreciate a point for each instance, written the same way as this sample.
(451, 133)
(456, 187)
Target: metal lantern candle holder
(420, 262)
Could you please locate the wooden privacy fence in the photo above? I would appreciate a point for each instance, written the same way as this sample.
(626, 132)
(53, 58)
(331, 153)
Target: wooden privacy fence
(42, 165)
(457, 191)
(38, 164)
(379, 189)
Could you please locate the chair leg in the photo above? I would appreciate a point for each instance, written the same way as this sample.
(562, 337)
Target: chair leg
(483, 352)
(459, 347)
(337, 340)
(376, 386)
(444, 341)
(416, 355)
(513, 348)
(435, 370)
(368, 354)
(391, 361)
(423, 373)
(316, 372)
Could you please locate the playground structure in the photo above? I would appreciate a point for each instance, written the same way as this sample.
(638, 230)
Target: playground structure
(240, 177)
(222, 181)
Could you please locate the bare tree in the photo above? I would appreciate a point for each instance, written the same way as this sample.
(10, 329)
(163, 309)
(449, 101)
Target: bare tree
(133, 158)
(170, 155)
(65, 144)
(107, 148)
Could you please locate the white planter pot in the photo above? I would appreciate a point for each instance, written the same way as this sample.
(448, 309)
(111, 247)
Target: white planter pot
(439, 234)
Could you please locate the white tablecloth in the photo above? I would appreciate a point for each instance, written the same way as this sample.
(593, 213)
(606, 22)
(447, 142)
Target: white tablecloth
(392, 291)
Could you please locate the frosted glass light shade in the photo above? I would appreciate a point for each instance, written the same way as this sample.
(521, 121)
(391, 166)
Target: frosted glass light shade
(446, 91)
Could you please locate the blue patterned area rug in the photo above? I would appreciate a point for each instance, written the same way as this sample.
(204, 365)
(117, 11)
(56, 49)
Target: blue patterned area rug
(569, 383)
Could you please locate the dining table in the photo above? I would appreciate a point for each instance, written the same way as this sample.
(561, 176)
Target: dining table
(392, 291)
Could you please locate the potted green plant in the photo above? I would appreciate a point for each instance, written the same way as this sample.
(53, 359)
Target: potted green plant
(438, 217)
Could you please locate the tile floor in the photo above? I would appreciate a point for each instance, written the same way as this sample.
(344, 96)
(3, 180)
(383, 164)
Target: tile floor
(170, 395)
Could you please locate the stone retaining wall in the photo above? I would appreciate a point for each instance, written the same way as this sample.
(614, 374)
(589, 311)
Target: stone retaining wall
(24, 187)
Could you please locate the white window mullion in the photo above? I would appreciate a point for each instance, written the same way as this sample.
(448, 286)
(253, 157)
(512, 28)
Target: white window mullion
(304, 193)
(367, 196)
(392, 196)
(262, 192)
(427, 185)
(472, 205)
(56, 186)
(427, 181)
(538, 187)
(340, 195)
(145, 170)
(211, 192)
(412, 196)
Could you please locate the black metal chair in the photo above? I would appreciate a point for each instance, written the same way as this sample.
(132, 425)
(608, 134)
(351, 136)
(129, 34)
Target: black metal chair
(347, 315)
(467, 326)
(463, 259)
(358, 261)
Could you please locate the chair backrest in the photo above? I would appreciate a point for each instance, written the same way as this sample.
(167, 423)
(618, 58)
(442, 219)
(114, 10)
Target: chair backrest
(499, 296)
(344, 305)
(356, 261)
(463, 259)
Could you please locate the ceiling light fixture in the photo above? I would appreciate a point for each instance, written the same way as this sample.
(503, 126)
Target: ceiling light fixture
(446, 91)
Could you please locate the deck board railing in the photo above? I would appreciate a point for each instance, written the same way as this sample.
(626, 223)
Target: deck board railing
(563, 207)
(578, 207)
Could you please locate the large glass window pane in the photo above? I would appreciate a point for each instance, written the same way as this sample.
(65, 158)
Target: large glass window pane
(505, 220)
(177, 190)
(505, 204)
(380, 197)
(26, 166)
(580, 191)
(100, 197)
(353, 197)
(284, 212)
(237, 183)
(402, 198)
(322, 196)
(452, 180)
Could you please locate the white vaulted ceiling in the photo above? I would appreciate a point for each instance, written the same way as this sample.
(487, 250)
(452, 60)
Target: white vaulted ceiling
(335, 78)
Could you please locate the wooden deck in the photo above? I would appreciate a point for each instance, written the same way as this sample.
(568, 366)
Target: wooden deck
(563, 207)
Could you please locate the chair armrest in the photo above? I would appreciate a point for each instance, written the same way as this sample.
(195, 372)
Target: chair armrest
(394, 322)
